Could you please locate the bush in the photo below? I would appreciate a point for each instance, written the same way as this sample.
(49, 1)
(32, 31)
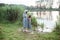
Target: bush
(34, 22)
(57, 30)
(11, 13)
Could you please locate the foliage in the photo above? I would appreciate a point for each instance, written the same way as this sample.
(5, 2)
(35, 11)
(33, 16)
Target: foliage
(57, 30)
(11, 13)
(34, 22)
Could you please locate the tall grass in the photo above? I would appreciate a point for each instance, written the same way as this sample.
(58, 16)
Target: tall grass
(11, 13)
(57, 30)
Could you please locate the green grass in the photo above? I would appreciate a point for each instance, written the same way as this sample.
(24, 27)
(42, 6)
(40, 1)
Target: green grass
(10, 32)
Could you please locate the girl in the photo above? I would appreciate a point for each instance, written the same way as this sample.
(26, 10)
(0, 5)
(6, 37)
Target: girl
(25, 21)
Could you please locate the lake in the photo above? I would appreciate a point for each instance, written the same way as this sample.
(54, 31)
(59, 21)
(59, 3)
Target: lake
(49, 25)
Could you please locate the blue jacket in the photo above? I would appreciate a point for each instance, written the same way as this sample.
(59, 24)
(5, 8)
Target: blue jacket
(25, 20)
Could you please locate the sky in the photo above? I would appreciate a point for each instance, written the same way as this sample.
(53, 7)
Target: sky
(25, 2)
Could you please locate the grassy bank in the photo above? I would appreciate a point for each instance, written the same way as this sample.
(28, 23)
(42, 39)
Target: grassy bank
(11, 32)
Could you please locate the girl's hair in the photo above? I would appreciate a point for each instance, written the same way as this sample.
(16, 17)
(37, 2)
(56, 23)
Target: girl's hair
(29, 16)
(26, 12)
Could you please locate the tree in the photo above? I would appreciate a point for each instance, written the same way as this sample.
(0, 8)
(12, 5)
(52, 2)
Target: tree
(2, 4)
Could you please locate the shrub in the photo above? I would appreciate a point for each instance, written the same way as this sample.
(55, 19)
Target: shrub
(11, 13)
(57, 30)
(34, 22)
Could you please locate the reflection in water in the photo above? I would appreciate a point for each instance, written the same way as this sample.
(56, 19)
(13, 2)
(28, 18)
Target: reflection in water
(48, 18)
